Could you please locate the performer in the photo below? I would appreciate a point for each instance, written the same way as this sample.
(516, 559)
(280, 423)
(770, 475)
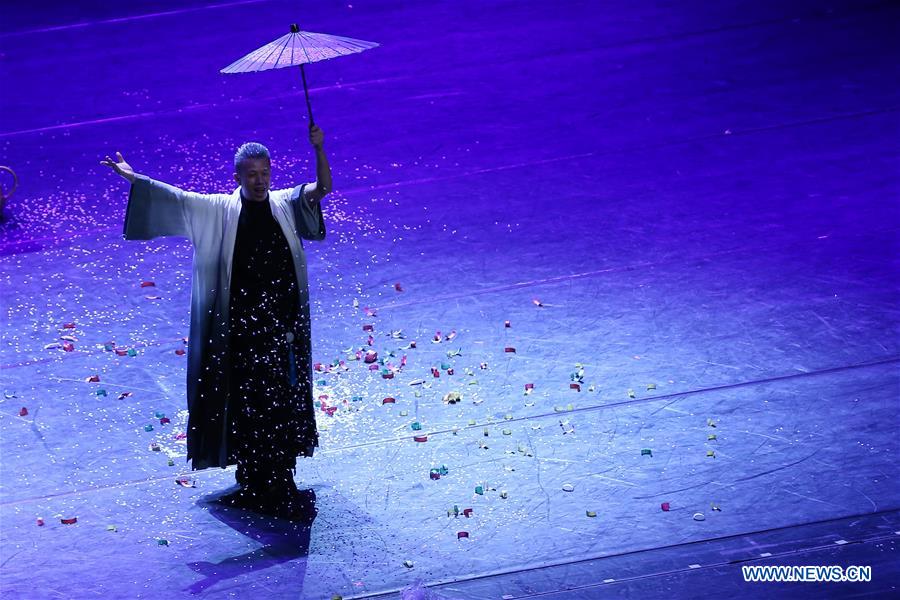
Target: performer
(249, 378)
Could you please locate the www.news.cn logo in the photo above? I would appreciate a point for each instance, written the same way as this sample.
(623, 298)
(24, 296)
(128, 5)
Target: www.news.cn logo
(812, 574)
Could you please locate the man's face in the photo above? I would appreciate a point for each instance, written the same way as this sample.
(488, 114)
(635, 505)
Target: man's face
(253, 174)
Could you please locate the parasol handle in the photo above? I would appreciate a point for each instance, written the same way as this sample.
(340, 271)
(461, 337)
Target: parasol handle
(306, 92)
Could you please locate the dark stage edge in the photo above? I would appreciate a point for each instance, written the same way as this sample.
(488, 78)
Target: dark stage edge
(698, 569)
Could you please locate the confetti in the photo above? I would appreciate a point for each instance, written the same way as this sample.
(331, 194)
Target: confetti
(507, 324)
(111, 528)
(537, 302)
(568, 487)
(93, 379)
(646, 452)
(699, 516)
(575, 386)
(416, 426)
(40, 522)
(421, 438)
(100, 392)
(711, 453)
(462, 534)
(398, 287)
(408, 563)
(467, 513)
(70, 521)
(23, 412)
(665, 506)
(651, 386)
(180, 352)
(590, 513)
(510, 349)
(631, 394)
(68, 325)
(146, 284)
(162, 542)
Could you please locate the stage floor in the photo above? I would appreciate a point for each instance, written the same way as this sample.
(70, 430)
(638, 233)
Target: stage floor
(656, 245)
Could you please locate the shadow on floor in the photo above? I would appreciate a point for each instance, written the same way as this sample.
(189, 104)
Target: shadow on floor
(283, 541)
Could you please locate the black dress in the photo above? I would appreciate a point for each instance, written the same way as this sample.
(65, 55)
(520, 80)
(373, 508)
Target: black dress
(271, 416)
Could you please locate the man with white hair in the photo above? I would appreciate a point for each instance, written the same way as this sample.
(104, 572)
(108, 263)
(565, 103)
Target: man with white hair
(249, 380)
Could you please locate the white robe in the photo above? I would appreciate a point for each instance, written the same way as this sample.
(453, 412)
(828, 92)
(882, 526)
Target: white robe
(210, 222)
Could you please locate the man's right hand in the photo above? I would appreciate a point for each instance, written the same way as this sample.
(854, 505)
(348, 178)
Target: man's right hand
(121, 167)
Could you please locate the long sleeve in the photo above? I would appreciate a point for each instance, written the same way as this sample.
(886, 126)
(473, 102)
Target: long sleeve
(157, 209)
(307, 215)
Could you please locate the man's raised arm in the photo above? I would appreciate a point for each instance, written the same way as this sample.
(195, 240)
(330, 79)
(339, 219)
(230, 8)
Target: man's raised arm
(314, 192)
(157, 209)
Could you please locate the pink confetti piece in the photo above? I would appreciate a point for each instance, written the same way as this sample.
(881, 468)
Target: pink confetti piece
(537, 302)
(40, 522)
(146, 284)
(388, 400)
(180, 352)
(421, 438)
(124, 395)
(93, 379)
(467, 512)
(23, 412)
(462, 534)
(529, 386)
(71, 521)
(510, 349)
(68, 347)
(575, 386)
(185, 482)
(665, 506)
(368, 328)
(398, 287)
(68, 325)
(165, 421)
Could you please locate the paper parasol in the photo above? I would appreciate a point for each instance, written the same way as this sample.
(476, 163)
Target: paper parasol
(298, 48)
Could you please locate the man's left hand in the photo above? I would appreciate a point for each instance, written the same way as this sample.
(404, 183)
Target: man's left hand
(316, 137)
